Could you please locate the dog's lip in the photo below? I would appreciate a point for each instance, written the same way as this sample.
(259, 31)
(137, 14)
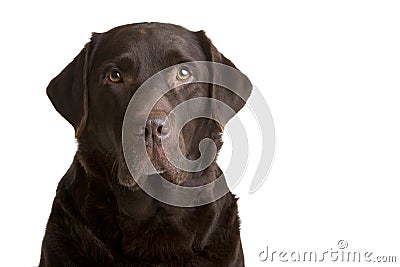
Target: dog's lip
(155, 171)
(139, 134)
(131, 181)
(133, 186)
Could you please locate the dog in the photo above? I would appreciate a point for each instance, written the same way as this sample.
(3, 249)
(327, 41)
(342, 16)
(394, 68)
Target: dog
(100, 215)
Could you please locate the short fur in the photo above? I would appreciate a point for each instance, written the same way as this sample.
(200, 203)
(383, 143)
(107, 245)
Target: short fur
(89, 224)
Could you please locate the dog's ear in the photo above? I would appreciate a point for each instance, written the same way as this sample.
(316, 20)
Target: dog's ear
(68, 91)
(239, 84)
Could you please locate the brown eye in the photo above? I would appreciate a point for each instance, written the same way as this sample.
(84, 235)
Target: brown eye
(115, 76)
(183, 73)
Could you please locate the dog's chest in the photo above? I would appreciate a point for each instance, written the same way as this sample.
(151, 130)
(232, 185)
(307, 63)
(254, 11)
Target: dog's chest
(157, 239)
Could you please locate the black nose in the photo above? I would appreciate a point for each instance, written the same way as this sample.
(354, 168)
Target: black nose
(156, 128)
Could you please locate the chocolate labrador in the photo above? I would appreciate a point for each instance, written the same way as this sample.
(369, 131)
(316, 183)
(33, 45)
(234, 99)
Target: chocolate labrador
(100, 215)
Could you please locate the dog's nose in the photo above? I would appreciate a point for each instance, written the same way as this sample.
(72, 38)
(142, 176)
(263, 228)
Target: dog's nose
(156, 128)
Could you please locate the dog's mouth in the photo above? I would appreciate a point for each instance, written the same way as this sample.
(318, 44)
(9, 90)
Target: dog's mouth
(157, 164)
(148, 157)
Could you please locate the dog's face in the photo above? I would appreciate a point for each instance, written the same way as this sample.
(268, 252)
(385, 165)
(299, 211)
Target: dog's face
(94, 90)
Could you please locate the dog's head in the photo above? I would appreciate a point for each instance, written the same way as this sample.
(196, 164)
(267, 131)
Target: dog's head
(94, 90)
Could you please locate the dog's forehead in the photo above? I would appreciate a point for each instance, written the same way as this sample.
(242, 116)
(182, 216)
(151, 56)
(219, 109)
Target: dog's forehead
(154, 37)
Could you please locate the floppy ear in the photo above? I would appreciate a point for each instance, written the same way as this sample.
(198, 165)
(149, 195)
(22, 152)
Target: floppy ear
(68, 91)
(237, 81)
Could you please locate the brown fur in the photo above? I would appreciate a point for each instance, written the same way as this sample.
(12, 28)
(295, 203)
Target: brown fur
(91, 223)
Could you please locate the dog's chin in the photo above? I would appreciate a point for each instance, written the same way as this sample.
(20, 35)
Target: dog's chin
(152, 179)
(133, 184)
(141, 174)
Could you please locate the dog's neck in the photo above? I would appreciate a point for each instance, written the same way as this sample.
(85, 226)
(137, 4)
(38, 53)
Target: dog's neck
(127, 203)
(124, 202)
(134, 220)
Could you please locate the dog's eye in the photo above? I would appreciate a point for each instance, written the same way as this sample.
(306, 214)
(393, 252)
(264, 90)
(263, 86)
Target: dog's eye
(183, 73)
(115, 76)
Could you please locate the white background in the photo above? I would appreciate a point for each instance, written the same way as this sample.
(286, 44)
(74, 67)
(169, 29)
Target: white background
(329, 70)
